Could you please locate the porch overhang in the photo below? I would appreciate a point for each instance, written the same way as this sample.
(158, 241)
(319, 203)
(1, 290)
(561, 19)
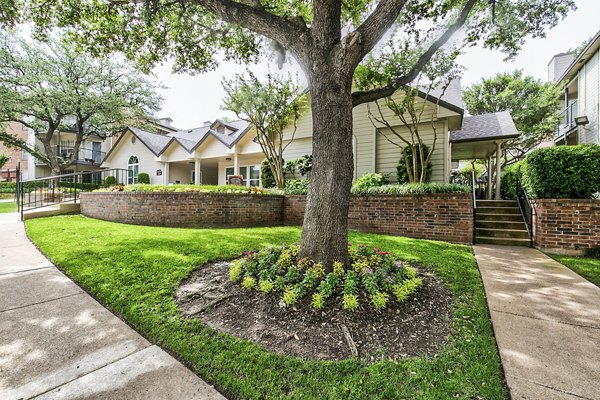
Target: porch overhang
(480, 135)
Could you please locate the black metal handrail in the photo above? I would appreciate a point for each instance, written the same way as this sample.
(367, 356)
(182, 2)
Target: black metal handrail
(474, 189)
(65, 188)
(526, 207)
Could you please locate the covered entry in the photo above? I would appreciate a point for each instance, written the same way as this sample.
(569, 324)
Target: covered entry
(482, 138)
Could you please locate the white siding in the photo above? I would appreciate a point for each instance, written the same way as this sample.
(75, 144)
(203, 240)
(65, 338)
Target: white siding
(588, 93)
(366, 143)
(180, 173)
(388, 155)
(148, 164)
(175, 152)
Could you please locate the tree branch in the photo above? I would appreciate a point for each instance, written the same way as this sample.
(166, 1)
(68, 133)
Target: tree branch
(287, 31)
(374, 27)
(386, 91)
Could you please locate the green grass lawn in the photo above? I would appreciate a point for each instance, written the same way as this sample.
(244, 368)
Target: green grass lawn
(135, 270)
(589, 268)
(8, 206)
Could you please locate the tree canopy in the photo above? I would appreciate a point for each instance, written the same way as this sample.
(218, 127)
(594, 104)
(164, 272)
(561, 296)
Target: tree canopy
(532, 103)
(328, 38)
(55, 87)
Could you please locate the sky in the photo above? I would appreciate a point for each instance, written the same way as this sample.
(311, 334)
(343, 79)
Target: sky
(190, 100)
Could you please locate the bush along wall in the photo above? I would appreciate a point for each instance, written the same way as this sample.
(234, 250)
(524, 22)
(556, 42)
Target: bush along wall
(563, 172)
(508, 182)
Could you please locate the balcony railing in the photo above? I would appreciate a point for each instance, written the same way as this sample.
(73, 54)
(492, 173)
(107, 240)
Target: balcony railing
(85, 155)
(567, 120)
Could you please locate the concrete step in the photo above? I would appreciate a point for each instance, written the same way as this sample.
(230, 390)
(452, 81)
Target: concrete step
(503, 241)
(51, 211)
(499, 217)
(501, 224)
(502, 233)
(498, 210)
(497, 203)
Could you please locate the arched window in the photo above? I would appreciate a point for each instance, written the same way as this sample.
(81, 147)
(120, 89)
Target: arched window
(133, 169)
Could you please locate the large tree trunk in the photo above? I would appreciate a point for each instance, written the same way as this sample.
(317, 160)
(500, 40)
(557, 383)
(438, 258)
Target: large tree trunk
(325, 228)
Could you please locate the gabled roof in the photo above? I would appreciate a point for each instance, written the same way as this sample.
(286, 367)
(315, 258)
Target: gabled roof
(499, 125)
(238, 128)
(188, 139)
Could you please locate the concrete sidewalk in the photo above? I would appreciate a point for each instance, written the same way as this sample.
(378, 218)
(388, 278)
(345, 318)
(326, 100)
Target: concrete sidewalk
(547, 323)
(57, 342)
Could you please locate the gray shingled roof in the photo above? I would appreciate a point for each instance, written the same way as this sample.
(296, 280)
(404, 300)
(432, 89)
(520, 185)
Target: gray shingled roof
(155, 142)
(239, 128)
(191, 138)
(452, 95)
(499, 125)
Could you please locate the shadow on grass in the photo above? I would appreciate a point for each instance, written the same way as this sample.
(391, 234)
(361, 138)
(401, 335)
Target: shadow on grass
(134, 271)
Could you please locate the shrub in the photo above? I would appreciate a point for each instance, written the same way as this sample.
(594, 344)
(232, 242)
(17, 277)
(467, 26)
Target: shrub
(368, 181)
(266, 175)
(193, 188)
(372, 277)
(143, 178)
(563, 172)
(110, 181)
(296, 186)
(413, 188)
(401, 171)
(8, 187)
(508, 180)
(304, 164)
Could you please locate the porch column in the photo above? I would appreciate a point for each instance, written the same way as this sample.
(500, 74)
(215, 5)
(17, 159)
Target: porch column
(490, 186)
(166, 173)
(498, 164)
(236, 170)
(197, 180)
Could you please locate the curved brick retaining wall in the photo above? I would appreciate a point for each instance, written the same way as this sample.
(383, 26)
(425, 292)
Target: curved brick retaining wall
(567, 226)
(446, 217)
(180, 209)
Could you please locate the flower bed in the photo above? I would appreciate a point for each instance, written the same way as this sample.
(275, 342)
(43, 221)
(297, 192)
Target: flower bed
(373, 275)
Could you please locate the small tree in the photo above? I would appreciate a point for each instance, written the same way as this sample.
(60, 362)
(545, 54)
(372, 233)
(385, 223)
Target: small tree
(413, 107)
(54, 87)
(270, 107)
(532, 103)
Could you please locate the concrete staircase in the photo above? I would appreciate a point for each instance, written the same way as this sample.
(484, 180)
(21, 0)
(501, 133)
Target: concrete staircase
(500, 222)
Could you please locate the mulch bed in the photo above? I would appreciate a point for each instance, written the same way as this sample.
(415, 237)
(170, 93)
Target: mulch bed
(419, 326)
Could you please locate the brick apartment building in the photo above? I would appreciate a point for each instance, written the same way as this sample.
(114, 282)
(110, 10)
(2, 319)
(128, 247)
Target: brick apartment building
(8, 171)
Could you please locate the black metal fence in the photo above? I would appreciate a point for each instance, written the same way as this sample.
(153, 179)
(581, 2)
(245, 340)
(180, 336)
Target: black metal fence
(48, 191)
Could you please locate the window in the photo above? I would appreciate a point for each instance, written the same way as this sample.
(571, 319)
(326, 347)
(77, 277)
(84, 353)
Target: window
(228, 173)
(133, 169)
(250, 174)
(254, 178)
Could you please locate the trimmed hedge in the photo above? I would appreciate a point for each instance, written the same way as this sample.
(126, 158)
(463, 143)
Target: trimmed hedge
(143, 178)
(508, 179)
(563, 172)
(8, 187)
(414, 188)
(188, 188)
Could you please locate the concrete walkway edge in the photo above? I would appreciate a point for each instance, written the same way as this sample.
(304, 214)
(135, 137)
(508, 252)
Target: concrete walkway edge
(546, 320)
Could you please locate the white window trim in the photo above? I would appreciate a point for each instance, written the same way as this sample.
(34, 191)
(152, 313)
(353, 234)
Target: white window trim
(133, 178)
(247, 177)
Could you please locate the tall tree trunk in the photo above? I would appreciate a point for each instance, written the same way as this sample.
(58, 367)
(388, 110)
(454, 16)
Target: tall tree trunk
(325, 228)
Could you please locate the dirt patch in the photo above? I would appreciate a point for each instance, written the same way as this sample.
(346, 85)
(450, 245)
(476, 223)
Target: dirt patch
(419, 326)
